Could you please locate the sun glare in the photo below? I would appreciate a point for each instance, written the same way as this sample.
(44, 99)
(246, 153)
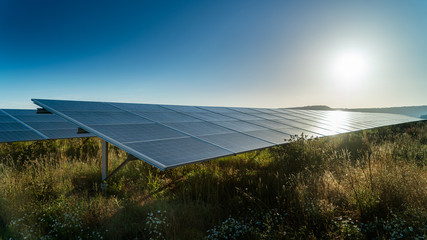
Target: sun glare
(350, 67)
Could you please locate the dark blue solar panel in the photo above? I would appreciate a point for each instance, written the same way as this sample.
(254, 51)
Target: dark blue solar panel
(239, 126)
(39, 118)
(12, 127)
(266, 116)
(209, 116)
(166, 117)
(307, 127)
(176, 152)
(184, 109)
(236, 142)
(137, 132)
(17, 136)
(242, 116)
(167, 136)
(6, 119)
(140, 107)
(27, 125)
(336, 128)
(286, 116)
(268, 124)
(82, 106)
(51, 125)
(270, 135)
(296, 131)
(267, 110)
(219, 109)
(23, 112)
(199, 128)
(246, 110)
(101, 118)
(64, 133)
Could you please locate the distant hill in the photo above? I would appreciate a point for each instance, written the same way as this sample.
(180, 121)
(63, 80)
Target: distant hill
(413, 111)
(315, 107)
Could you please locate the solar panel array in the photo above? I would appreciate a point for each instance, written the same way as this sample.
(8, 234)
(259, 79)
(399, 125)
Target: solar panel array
(26, 125)
(168, 136)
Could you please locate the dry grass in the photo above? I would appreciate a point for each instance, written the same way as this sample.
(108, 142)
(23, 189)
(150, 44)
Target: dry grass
(361, 185)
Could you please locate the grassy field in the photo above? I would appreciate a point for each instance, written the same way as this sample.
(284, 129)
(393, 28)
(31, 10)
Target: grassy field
(362, 185)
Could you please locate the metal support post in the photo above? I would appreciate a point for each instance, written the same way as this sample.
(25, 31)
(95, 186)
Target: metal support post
(104, 164)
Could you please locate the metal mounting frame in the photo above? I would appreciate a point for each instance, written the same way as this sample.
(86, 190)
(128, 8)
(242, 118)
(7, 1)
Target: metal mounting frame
(104, 165)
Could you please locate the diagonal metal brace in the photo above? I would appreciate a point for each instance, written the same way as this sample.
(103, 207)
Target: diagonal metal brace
(104, 164)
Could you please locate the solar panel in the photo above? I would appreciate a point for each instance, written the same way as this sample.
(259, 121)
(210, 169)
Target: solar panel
(199, 128)
(140, 107)
(17, 136)
(176, 152)
(137, 132)
(165, 117)
(237, 142)
(242, 116)
(184, 109)
(295, 131)
(277, 137)
(168, 136)
(26, 125)
(239, 126)
(209, 116)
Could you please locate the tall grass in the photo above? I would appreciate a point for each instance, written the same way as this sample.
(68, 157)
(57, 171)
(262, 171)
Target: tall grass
(362, 185)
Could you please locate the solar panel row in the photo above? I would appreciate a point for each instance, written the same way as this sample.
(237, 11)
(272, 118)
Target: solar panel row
(26, 125)
(168, 136)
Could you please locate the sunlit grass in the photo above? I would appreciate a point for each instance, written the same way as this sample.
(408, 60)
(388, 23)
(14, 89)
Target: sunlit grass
(361, 185)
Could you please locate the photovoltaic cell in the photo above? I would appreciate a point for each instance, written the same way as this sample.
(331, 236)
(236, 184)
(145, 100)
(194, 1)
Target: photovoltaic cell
(40, 117)
(219, 109)
(268, 124)
(140, 107)
(336, 128)
(137, 132)
(266, 116)
(267, 110)
(184, 109)
(82, 106)
(51, 125)
(17, 136)
(270, 135)
(180, 151)
(298, 132)
(64, 133)
(168, 136)
(27, 125)
(239, 126)
(209, 116)
(246, 110)
(237, 142)
(165, 117)
(5, 119)
(12, 127)
(101, 118)
(310, 128)
(199, 128)
(242, 116)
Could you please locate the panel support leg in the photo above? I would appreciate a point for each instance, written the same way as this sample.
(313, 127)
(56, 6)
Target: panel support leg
(104, 164)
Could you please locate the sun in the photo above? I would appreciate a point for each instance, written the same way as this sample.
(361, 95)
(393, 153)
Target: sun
(350, 67)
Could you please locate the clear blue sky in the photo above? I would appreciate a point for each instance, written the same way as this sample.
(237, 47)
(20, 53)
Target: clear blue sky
(230, 53)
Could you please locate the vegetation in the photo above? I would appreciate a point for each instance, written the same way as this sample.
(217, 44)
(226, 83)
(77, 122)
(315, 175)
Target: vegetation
(362, 185)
